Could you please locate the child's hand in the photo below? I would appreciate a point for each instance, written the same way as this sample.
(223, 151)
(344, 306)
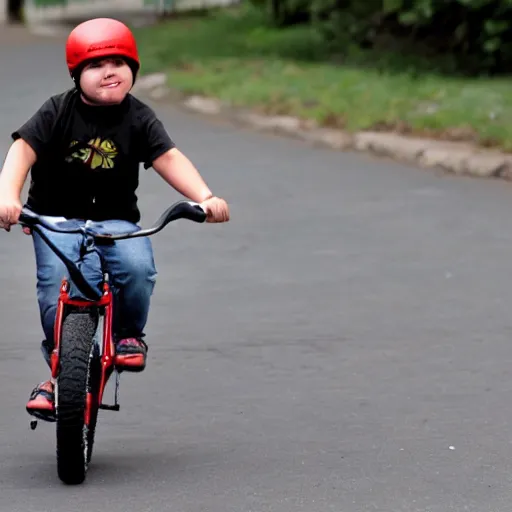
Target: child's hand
(217, 210)
(10, 210)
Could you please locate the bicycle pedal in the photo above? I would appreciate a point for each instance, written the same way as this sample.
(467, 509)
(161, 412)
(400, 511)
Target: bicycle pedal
(33, 424)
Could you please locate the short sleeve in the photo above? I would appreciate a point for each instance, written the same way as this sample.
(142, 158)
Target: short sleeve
(37, 131)
(156, 140)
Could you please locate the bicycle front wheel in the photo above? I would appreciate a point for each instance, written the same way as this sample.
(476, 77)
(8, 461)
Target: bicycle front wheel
(76, 406)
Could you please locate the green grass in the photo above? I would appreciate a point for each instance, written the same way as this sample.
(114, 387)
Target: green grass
(233, 55)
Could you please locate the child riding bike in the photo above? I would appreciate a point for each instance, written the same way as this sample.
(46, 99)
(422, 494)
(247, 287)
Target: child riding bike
(84, 148)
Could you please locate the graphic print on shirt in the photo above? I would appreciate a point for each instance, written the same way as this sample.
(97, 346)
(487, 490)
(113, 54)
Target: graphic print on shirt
(95, 154)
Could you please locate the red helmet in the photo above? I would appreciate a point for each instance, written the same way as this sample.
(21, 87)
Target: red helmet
(101, 37)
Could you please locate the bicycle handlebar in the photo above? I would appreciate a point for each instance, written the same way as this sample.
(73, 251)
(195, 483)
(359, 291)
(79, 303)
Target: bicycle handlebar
(179, 210)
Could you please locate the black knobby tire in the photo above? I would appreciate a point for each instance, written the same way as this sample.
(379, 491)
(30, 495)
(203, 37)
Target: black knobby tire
(94, 389)
(73, 437)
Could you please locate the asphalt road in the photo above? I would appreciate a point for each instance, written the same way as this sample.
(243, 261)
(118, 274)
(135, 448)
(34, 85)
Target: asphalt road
(343, 344)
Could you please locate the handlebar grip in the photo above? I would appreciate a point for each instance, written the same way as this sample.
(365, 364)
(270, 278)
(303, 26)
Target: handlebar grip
(28, 217)
(195, 212)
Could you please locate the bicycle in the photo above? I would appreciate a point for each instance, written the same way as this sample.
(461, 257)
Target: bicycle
(83, 357)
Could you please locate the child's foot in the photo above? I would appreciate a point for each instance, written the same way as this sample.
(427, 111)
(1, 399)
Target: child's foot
(41, 403)
(131, 355)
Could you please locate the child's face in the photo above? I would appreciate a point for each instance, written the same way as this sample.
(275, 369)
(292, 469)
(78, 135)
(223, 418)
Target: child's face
(106, 81)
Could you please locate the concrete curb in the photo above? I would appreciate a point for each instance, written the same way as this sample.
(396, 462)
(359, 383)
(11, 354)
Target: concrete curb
(453, 157)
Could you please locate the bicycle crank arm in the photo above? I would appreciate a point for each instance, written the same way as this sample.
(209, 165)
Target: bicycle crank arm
(106, 407)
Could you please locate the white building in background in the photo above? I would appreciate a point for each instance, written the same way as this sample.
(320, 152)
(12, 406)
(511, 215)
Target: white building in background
(3, 7)
(39, 10)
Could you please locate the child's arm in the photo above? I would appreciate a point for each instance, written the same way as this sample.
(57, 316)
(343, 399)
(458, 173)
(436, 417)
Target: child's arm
(179, 172)
(20, 158)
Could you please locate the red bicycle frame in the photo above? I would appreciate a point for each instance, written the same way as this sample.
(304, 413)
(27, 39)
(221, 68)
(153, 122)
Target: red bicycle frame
(108, 352)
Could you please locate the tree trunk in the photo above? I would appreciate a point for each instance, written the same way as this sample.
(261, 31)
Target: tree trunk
(276, 11)
(15, 11)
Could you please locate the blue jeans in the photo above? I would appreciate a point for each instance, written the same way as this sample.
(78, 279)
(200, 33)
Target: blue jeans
(130, 266)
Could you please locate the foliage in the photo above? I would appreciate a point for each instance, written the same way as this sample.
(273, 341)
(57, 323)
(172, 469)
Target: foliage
(477, 32)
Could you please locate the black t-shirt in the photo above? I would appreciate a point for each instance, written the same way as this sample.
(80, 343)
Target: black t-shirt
(88, 157)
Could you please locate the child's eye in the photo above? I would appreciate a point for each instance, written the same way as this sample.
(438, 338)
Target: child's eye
(119, 62)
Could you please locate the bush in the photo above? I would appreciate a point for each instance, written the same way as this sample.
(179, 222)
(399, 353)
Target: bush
(284, 13)
(477, 32)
